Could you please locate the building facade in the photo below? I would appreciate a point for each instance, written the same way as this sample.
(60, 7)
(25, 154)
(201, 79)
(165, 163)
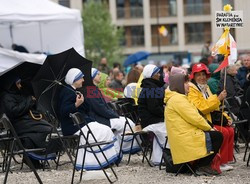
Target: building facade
(189, 23)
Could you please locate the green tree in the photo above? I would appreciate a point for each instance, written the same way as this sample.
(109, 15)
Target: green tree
(101, 37)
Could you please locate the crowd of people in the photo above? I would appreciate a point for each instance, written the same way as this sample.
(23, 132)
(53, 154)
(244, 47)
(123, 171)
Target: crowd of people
(182, 104)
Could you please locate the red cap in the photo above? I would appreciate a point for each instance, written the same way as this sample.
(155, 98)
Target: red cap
(198, 68)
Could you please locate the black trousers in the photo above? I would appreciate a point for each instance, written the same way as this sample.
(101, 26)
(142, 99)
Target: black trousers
(217, 139)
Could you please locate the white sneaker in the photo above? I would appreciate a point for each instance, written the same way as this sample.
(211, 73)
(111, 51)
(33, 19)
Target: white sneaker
(225, 167)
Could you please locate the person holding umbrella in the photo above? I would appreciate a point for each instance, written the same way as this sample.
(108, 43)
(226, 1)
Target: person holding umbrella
(71, 101)
(19, 107)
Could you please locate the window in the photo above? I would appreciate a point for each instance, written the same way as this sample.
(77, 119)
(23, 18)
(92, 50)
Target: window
(197, 32)
(120, 8)
(163, 8)
(136, 8)
(129, 8)
(196, 7)
(170, 39)
(64, 3)
(134, 36)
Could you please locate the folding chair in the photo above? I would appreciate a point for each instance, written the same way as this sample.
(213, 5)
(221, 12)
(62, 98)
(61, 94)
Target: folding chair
(187, 165)
(58, 145)
(17, 142)
(77, 119)
(5, 142)
(162, 160)
(129, 110)
(68, 142)
(237, 121)
(247, 141)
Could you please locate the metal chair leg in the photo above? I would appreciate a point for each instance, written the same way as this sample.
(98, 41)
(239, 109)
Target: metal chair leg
(9, 162)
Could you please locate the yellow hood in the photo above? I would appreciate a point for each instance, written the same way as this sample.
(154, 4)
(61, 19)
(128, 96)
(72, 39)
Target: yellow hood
(169, 94)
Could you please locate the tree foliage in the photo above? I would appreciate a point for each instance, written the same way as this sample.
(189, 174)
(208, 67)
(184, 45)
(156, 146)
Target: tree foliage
(101, 38)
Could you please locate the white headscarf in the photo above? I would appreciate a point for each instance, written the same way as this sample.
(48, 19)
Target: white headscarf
(74, 74)
(94, 72)
(149, 71)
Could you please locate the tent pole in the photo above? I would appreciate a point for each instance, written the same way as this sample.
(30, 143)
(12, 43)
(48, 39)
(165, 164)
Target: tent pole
(41, 38)
(11, 33)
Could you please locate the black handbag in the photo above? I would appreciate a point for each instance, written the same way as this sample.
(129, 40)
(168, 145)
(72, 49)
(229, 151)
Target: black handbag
(216, 118)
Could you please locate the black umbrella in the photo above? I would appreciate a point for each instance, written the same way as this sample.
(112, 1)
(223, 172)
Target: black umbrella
(25, 71)
(50, 78)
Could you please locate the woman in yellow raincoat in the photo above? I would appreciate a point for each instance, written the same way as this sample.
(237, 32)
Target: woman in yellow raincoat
(190, 136)
(201, 96)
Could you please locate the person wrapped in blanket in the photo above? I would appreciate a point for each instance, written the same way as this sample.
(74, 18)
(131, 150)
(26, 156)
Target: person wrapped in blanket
(208, 104)
(17, 104)
(71, 101)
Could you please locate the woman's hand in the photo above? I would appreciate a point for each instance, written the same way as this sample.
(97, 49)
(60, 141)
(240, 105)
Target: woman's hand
(214, 129)
(229, 122)
(222, 95)
(79, 99)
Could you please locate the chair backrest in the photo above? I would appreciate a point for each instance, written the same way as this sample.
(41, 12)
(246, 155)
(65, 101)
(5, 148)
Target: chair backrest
(239, 99)
(127, 108)
(125, 100)
(77, 118)
(130, 111)
(9, 127)
(51, 119)
(6, 122)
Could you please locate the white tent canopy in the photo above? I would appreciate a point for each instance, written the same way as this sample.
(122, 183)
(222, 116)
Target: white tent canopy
(10, 58)
(40, 26)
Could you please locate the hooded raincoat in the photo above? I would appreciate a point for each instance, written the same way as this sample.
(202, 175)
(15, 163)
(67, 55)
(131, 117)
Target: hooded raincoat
(185, 128)
(108, 93)
(214, 80)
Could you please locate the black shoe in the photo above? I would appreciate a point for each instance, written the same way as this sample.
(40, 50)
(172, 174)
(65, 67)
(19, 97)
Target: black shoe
(207, 171)
(35, 163)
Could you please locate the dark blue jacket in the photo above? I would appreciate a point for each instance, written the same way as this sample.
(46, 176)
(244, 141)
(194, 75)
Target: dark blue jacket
(67, 99)
(241, 76)
(99, 108)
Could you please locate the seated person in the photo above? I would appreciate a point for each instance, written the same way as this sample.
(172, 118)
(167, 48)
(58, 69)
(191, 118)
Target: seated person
(213, 81)
(19, 48)
(116, 83)
(202, 98)
(71, 101)
(106, 115)
(17, 105)
(108, 93)
(188, 131)
(151, 109)
(232, 87)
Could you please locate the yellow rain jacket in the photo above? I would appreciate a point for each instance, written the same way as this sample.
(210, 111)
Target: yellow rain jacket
(138, 89)
(185, 128)
(204, 105)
